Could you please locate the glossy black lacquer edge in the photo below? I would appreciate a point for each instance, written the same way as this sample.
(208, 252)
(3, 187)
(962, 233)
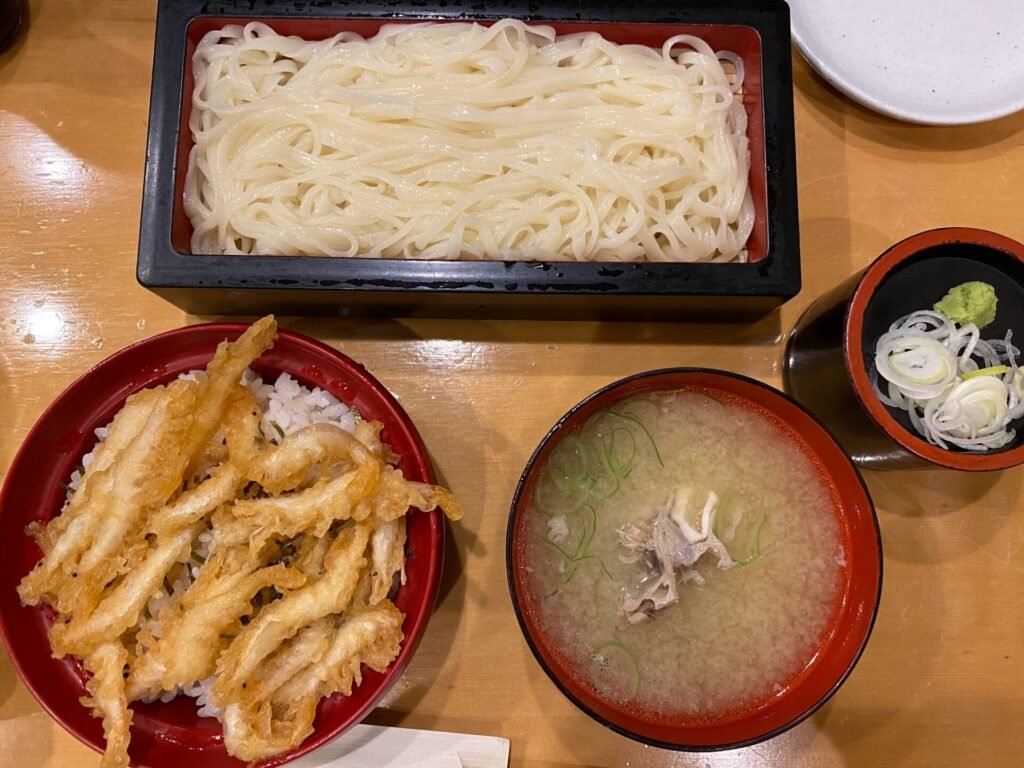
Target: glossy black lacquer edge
(514, 596)
(160, 266)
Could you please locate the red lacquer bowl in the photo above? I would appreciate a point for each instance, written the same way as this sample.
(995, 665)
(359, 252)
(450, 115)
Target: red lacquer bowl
(843, 640)
(171, 735)
(912, 275)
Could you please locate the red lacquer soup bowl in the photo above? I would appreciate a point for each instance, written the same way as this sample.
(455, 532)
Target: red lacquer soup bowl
(853, 610)
(168, 735)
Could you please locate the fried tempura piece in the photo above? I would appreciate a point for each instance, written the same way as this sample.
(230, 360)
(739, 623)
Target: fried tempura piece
(303, 650)
(395, 495)
(310, 557)
(146, 478)
(221, 380)
(192, 629)
(148, 474)
(387, 557)
(241, 433)
(126, 426)
(242, 427)
(368, 433)
(122, 607)
(72, 534)
(370, 636)
(108, 701)
(257, 729)
(364, 589)
(283, 467)
(52, 576)
(196, 503)
(314, 510)
(253, 733)
(437, 497)
(282, 619)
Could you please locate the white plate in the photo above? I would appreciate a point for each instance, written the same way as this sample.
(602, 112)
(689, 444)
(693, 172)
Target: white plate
(941, 62)
(376, 746)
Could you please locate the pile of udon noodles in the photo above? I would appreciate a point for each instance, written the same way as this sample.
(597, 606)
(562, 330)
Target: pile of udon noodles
(304, 541)
(463, 141)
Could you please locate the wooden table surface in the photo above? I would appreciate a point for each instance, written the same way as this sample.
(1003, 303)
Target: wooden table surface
(939, 684)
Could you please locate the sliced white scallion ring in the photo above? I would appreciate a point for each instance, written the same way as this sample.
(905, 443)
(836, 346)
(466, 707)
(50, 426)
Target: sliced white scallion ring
(894, 399)
(988, 353)
(919, 425)
(973, 408)
(962, 342)
(957, 388)
(1016, 387)
(927, 322)
(918, 365)
(898, 397)
(973, 415)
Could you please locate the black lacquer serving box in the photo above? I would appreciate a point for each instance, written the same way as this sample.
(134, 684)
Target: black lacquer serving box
(758, 32)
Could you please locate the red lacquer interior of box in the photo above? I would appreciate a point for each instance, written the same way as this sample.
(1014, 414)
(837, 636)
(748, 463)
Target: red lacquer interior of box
(743, 41)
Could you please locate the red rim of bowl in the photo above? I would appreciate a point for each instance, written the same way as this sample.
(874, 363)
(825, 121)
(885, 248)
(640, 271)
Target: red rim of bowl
(842, 644)
(853, 342)
(57, 683)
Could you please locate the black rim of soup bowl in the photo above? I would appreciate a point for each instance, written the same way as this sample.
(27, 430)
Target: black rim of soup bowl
(514, 513)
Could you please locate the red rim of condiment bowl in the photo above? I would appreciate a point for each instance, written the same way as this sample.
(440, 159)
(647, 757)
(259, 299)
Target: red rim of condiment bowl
(60, 437)
(856, 608)
(853, 343)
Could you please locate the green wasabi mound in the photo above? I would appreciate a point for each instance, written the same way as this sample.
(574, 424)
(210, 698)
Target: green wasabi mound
(973, 302)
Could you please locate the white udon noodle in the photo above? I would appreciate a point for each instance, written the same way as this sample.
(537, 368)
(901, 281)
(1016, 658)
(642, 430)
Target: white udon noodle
(456, 140)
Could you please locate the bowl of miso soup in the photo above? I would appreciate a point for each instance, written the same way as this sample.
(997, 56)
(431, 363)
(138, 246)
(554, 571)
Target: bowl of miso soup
(693, 559)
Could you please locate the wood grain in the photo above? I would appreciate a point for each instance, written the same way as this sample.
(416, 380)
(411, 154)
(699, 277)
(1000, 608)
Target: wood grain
(940, 682)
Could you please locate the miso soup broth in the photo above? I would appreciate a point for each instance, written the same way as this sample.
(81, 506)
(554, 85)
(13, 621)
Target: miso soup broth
(683, 555)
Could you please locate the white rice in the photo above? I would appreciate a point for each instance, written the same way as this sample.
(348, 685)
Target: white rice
(287, 407)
